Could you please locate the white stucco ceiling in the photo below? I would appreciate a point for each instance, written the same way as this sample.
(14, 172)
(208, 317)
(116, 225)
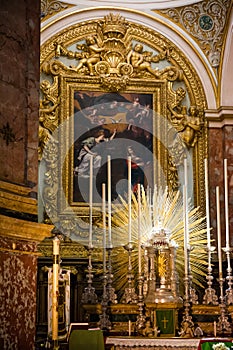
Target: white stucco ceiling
(134, 4)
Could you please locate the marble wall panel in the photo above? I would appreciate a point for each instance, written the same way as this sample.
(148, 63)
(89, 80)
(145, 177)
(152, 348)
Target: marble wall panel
(19, 90)
(18, 269)
(220, 148)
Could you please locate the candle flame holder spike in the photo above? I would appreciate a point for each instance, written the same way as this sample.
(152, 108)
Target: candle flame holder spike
(229, 278)
(89, 296)
(130, 296)
(210, 297)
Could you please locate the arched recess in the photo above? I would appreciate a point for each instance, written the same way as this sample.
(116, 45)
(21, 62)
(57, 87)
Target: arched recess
(171, 72)
(155, 22)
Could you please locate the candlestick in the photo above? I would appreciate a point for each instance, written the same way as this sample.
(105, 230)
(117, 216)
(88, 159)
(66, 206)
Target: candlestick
(90, 201)
(104, 226)
(104, 321)
(109, 204)
(56, 244)
(219, 232)
(139, 232)
(226, 203)
(207, 205)
(129, 200)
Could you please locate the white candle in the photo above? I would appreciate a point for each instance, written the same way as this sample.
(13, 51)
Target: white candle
(215, 329)
(129, 201)
(139, 232)
(186, 202)
(90, 201)
(109, 204)
(104, 226)
(226, 203)
(219, 232)
(185, 231)
(185, 172)
(207, 205)
(56, 245)
(129, 328)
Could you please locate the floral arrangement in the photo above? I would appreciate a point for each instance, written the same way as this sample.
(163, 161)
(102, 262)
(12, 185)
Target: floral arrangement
(220, 346)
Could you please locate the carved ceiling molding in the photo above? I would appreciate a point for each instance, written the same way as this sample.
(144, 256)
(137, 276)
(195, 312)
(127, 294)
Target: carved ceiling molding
(136, 4)
(49, 8)
(205, 22)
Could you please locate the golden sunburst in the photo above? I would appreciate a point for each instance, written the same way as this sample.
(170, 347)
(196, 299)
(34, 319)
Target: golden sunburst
(165, 210)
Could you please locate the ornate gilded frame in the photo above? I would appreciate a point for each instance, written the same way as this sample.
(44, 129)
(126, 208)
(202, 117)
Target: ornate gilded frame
(164, 72)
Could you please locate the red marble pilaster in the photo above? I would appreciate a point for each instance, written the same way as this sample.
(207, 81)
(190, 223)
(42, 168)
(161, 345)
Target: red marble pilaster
(18, 271)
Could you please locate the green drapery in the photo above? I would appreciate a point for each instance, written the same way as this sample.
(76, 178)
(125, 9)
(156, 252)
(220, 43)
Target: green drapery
(86, 340)
(165, 321)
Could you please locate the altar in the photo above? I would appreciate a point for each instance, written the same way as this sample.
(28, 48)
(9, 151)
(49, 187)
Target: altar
(137, 343)
(152, 343)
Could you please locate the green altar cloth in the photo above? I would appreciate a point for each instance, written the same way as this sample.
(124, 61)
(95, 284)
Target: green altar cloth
(86, 340)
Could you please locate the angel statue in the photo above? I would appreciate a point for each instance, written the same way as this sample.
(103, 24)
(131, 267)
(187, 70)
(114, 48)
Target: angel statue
(93, 54)
(89, 56)
(137, 58)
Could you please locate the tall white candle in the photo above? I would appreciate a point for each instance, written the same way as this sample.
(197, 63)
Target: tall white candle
(104, 225)
(129, 328)
(219, 232)
(139, 232)
(90, 201)
(109, 204)
(207, 204)
(215, 329)
(185, 188)
(185, 231)
(226, 204)
(129, 201)
(185, 172)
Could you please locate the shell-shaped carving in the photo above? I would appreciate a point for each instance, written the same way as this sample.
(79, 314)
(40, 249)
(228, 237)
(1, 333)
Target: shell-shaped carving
(114, 58)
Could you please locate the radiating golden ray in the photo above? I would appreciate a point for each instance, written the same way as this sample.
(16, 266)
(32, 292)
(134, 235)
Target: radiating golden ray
(166, 209)
(162, 265)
